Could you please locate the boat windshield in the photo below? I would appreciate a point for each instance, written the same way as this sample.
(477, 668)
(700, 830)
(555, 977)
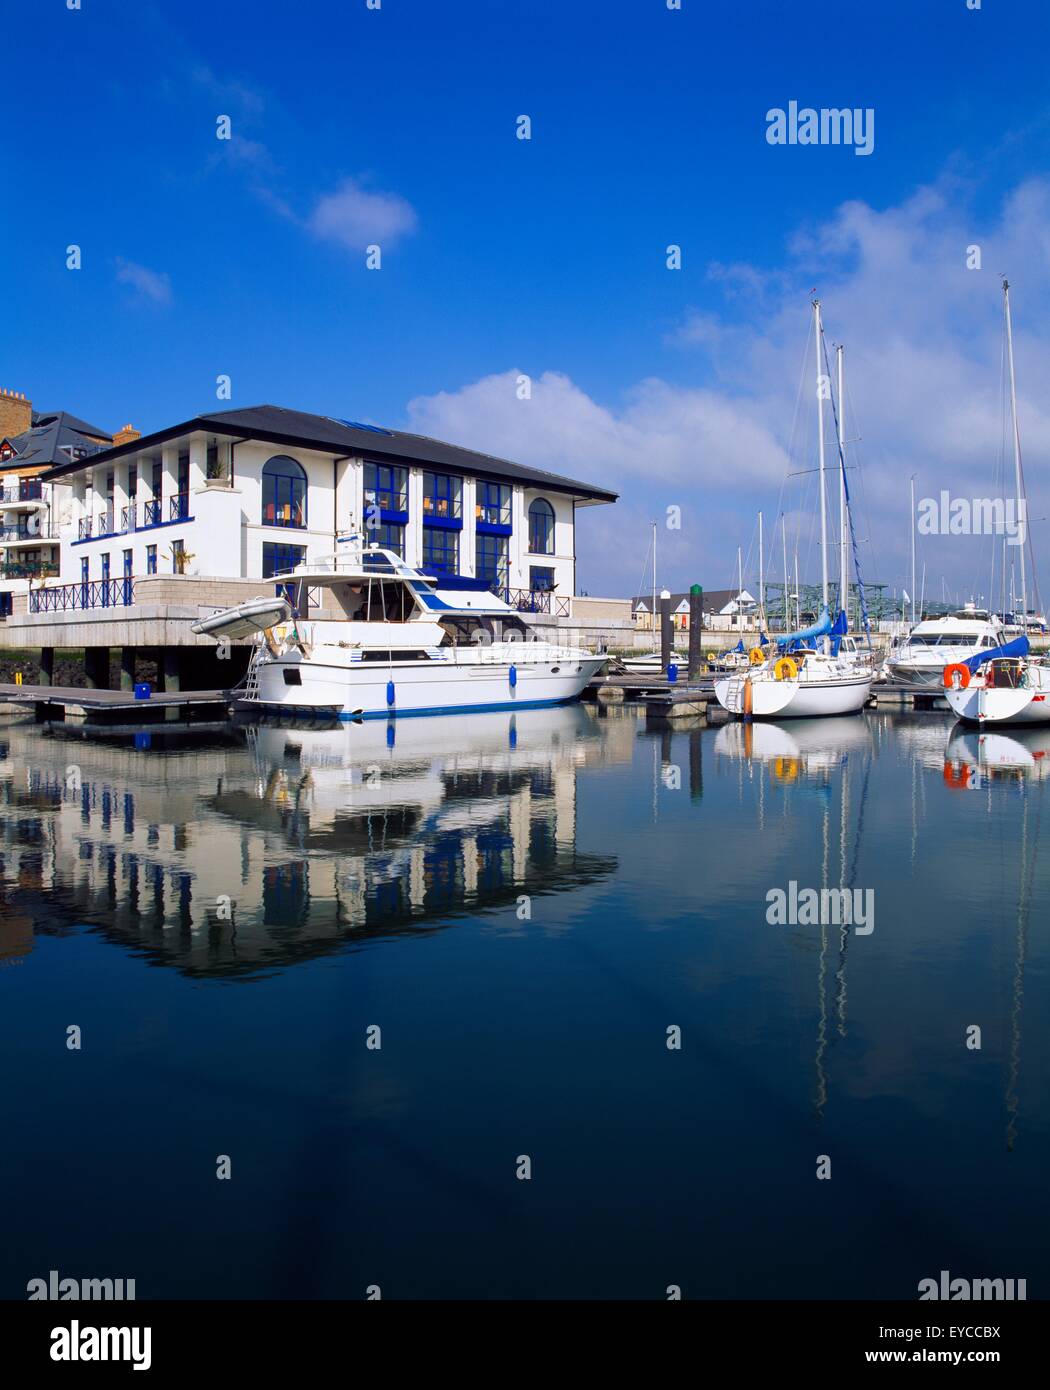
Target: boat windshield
(949, 639)
(465, 630)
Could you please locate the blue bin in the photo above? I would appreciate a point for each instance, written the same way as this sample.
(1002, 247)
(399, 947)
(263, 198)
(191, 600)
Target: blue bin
(143, 691)
(672, 672)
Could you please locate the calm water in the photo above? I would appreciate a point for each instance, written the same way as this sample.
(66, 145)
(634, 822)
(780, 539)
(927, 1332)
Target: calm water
(225, 914)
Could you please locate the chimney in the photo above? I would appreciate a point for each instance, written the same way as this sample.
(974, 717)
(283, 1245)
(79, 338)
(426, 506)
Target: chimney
(16, 413)
(126, 435)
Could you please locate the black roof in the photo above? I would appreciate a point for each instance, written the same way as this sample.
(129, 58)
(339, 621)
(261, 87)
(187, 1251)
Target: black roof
(714, 600)
(49, 437)
(298, 429)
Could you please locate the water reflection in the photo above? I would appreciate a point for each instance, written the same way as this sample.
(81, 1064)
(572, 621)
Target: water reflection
(1010, 756)
(232, 852)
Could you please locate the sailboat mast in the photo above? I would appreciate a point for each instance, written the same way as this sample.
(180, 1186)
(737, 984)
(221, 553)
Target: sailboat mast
(912, 517)
(1017, 447)
(820, 440)
(784, 543)
(761, 579)
(654, 583)
(798, 595)
(843, 561)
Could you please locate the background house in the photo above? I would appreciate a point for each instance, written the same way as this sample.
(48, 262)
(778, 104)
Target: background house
(32, 444)
(724, 610)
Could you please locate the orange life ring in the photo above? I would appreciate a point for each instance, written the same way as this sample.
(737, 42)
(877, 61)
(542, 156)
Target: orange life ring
(949, 675)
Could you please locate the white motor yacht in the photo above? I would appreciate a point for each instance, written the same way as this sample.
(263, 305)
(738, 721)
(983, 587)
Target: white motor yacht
(366, 636)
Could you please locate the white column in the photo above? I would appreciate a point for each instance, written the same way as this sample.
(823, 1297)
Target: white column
(198, 464)
(467, 550)
(414, 528)
(170, 481)
(517, 564)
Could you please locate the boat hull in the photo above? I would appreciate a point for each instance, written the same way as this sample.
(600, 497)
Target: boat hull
(976, 705)
(795, 699)
(385, 690)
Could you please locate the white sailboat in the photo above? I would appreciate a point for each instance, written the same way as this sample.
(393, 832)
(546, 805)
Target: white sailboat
(1005, 685)
(812, 681)
(387, 640)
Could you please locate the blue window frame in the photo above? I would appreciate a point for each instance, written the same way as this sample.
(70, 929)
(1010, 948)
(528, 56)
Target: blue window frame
(541, 579)
(440, 550)
(492, 564)
(105, 581)
(386, 487)
(127, 564)
(284, 492)
(442, 499)
(151, 559)
(493, 505)
(388, 534)
(177, 548)
(541, 527)
(5, 604)
(279, 558)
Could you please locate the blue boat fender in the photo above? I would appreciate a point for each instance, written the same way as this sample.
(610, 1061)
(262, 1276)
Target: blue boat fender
(390, 692)
(513, 677)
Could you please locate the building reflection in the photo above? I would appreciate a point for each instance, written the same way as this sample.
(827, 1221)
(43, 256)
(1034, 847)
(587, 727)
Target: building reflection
(233, 852)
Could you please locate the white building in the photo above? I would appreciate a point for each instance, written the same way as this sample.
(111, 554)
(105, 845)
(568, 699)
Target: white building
(250, 493)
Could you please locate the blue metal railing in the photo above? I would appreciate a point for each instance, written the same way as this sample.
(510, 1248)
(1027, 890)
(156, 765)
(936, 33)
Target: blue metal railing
(91, 593)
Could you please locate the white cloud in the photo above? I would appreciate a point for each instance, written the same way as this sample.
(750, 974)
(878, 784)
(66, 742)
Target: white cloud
(354, 217)
(149, 286)
(923, 352)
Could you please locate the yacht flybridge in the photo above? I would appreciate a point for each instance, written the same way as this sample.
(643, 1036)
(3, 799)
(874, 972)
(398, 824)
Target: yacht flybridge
(367, 635)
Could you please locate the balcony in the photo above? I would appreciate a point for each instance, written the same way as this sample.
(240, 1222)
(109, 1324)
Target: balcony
(29, 569)
(93, 593)
(28, 490)
(152, 513)
(534, 601)
(13, 534)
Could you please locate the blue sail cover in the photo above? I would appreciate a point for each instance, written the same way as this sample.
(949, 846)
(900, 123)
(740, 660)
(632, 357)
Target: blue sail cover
(839, 629)
(1018, 647)
(820, 628)
(739, 646)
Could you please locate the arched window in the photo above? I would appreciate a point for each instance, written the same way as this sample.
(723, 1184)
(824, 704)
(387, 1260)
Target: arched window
(541, 527)
(284, 492)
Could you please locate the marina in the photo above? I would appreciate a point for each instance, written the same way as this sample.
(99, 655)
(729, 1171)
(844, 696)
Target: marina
(524, 681)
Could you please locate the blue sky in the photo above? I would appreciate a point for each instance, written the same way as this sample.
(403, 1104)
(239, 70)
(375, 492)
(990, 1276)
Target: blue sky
(546, 257)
